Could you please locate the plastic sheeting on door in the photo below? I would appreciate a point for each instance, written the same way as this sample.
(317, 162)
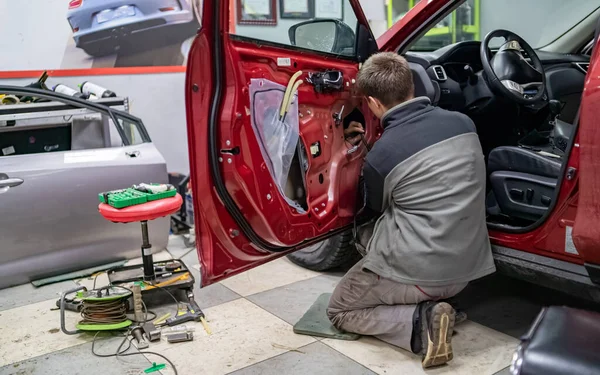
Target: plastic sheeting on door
(277, 137)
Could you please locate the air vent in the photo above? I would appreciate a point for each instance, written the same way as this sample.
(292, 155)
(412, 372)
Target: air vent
(439, 72)
(583, 67)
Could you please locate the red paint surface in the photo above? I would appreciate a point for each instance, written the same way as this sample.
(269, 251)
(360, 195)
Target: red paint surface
(414, 19)
(586, 233)
(331, 203)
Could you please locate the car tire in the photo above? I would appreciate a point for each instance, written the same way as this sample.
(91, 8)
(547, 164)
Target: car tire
(334, 252)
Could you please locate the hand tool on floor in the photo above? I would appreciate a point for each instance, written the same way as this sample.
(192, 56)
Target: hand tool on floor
(70, 304)
(180, 337)
(152, 332)
(138, 334)
(193, 313)
(182, 328)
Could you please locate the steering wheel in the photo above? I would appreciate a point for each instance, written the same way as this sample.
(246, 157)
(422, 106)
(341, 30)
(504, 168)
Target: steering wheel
(508, 73)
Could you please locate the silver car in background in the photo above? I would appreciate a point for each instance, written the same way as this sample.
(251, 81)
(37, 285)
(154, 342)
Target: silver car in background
(55, 158)
(101, 27)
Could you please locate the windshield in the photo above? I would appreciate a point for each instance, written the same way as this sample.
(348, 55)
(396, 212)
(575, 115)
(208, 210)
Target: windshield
(539, 22)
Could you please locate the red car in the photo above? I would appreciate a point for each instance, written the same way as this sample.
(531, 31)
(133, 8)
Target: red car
(536, 111)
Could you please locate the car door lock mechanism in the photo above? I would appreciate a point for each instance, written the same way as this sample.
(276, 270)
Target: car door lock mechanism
(327, 81)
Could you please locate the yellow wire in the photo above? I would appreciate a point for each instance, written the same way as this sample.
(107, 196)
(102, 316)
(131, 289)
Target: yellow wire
(288, 92)
(291, 97)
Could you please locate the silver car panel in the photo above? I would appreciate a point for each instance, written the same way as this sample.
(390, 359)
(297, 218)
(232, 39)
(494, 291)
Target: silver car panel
(49, 223)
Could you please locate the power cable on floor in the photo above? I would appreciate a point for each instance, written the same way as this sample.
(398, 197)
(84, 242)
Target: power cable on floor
(123, 353)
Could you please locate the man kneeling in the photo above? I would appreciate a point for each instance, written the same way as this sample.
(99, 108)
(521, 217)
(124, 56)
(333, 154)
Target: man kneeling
(425, 178)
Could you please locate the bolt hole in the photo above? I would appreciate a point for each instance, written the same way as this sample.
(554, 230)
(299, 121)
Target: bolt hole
(295, 64)
(321, 178)
(311, 181)
(309, 216)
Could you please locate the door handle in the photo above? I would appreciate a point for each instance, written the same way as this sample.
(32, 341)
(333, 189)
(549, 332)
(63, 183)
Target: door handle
(6, 182)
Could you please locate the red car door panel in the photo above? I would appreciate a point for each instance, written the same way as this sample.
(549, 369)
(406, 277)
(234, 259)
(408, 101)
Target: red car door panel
(242, 220)
(586, 231)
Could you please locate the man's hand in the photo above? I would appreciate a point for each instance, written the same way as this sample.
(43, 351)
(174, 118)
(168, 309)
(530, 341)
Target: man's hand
(354, 132)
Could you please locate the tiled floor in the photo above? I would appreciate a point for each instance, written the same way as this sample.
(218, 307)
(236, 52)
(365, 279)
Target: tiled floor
(251, 317)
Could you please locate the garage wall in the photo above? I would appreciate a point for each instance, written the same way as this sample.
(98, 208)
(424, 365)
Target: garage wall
(19, 27)
(158, 99)
(279, 33)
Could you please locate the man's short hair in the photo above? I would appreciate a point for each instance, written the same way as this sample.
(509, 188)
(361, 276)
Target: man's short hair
(387, 77)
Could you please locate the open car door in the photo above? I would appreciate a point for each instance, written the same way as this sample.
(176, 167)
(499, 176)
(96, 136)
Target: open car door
(271, 171)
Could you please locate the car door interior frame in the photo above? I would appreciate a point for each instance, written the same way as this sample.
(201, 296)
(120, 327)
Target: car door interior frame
(213, 146)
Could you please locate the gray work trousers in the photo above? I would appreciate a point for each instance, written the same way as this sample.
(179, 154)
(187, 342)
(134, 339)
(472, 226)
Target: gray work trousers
(367, 304)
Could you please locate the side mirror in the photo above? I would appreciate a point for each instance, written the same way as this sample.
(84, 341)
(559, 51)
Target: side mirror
(324, 35)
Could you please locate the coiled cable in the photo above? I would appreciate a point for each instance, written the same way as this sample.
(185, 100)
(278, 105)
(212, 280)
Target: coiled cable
(104, 312)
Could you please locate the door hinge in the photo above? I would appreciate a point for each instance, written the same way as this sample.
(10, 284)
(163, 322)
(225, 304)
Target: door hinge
(571, 172)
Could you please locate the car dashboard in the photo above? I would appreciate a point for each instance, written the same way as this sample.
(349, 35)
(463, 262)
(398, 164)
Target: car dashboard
(445, 72)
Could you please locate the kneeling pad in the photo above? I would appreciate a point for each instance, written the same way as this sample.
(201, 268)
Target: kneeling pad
(316, 323)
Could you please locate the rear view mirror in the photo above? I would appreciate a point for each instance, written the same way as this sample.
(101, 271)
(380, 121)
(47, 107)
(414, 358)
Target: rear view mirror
(324, 35)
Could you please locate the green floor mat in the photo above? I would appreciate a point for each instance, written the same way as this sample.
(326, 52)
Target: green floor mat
(316, 323)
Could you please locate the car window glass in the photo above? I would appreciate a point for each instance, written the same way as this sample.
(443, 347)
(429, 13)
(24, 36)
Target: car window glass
(323, 25)
(27, 129)
(131, 131)
(539, 22)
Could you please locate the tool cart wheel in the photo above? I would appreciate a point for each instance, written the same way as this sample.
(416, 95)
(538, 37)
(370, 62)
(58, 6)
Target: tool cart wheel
(334, 252)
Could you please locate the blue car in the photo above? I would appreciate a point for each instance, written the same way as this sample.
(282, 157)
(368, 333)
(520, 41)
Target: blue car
(102, 27)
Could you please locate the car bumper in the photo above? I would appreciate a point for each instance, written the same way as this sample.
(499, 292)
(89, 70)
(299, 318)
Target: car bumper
(112, 32)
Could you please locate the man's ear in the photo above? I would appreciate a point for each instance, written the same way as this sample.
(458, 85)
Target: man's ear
(375, 102)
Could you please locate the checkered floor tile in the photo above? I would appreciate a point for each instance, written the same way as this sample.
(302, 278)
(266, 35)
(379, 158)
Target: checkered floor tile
(251, 317)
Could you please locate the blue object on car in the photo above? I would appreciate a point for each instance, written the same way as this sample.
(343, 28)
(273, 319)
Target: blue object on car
(100, 27)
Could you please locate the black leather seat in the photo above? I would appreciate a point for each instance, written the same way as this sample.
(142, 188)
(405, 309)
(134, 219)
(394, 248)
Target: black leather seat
(518, 159)
(522, 182)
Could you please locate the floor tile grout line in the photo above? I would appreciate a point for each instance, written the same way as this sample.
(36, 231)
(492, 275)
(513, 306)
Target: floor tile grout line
(223, 285)
(67, 348)
(283, 286)
(270, 358)
(350, 358)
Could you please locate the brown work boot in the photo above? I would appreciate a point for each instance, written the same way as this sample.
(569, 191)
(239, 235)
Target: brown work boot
(436, 323)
